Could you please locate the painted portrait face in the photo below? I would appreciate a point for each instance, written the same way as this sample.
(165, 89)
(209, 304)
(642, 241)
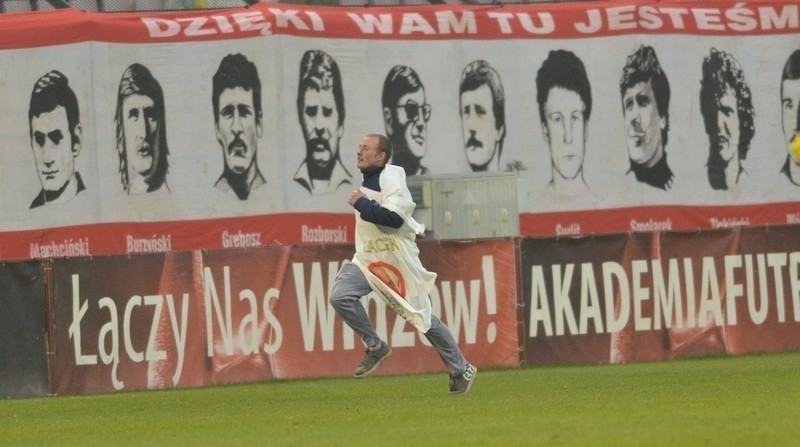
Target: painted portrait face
(53, 150)
(643, 124)
(790, 108)
(479, 126)
(238, 129)
(727, 139)
(321, 126)
(140, 126)
(413, 113)
(565, 131)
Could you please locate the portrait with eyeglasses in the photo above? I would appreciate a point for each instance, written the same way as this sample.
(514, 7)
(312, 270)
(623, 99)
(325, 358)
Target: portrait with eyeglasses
(405, 115)
(412, 111)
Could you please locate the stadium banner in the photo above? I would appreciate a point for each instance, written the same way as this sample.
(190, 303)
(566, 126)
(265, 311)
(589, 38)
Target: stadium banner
(23, 330)
(661, 295)
(197, 318)
(158, 131)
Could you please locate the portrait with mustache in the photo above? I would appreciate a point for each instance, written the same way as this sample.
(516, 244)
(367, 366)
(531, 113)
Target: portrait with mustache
(56, 138)
(645, 93)
(141, 132)
(405, 116)
(728, 114)
(482, 109)
(320, 111)
(236, 98)
(565, 105)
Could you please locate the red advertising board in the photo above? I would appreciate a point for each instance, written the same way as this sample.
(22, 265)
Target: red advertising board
(199, 318)
(658, 296)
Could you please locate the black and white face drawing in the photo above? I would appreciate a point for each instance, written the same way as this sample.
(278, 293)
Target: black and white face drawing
(728, 115)
(56, 137)
(141, 132)
(320, 111)
(236, 98)
(565, 105)
(790, 116)
(405, 116)
(645, 94)
(482, 109)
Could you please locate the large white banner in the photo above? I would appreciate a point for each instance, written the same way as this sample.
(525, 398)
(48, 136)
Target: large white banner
(615, 117)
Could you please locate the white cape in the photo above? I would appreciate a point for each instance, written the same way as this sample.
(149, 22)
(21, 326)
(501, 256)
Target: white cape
(389, 257)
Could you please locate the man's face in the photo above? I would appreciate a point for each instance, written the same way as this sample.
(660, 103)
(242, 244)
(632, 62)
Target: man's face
(51, 142)
(565, 131)
(727, 139)
(790, 108)
(411, 121)
(643, 124)
(368, 155)
(321, 126)
(478, 125)
(140, 126)
(238, 129)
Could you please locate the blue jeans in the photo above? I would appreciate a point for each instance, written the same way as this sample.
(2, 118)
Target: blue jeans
(351, 285)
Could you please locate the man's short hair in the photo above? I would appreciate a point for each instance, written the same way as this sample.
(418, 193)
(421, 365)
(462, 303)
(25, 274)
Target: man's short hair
(384, 144)
(319, 71)
(400, 81)
(235, 70)
(563, 69)
(479, 73)
(50, 91)
(643, 66)
(721, 73)
(137, 80)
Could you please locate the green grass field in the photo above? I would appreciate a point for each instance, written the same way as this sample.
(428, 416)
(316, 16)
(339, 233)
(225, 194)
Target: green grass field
(750, 401)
